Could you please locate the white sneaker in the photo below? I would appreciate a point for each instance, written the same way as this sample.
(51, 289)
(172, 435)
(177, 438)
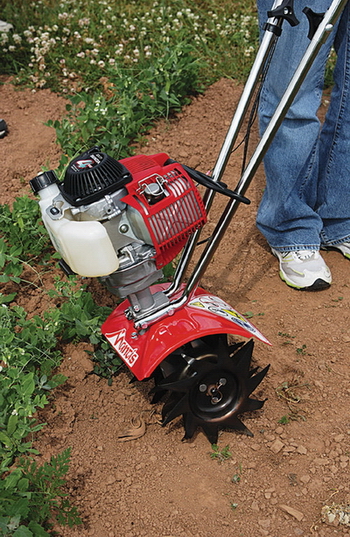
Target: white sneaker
(343, 247)
(304, 269)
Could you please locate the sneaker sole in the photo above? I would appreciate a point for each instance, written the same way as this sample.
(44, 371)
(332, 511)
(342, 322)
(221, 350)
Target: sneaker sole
(318, 285)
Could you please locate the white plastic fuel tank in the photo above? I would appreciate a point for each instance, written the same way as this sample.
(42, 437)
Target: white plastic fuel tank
(84, 245)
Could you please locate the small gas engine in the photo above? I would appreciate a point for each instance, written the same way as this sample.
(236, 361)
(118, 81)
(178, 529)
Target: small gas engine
(122, 220)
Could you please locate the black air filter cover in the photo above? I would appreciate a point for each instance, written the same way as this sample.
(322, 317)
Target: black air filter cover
(92, 175)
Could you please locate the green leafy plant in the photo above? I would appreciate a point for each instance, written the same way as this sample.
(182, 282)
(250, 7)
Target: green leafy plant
(301, 350)
(78, 44)
(220, 455)
(236, 478)
(31, 495)
(76, 316)
(24, 243)
(137, 99)
(29, 357)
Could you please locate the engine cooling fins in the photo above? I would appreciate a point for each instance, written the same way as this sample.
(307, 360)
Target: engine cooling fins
(212, 388)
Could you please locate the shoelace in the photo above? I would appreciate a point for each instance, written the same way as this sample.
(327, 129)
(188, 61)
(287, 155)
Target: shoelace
(303, 255)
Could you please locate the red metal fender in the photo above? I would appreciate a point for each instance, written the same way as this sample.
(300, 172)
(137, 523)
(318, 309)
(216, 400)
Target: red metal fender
(204, 314)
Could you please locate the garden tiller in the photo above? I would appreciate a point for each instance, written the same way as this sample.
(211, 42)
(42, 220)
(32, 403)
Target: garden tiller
(123, 221)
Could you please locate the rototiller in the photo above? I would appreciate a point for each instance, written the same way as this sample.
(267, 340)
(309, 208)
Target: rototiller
(123, 221)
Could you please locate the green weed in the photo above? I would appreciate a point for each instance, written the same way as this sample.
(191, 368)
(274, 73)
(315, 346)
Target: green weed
(301, 350)
(136, 99)
(70, 46)
(30, 495)
(220, 455)
(236, 478)
(24, 244)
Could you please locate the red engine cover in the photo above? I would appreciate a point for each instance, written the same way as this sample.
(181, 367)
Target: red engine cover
(170, 215)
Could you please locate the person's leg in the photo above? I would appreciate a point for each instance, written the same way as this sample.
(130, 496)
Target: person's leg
(286, 215)
(334, 176)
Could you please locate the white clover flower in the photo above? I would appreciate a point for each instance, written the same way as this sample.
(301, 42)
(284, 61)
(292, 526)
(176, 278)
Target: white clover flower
(81, 55)
(92, 62)
(101, 63)
(84, 22)
(55, 27)
(111, 61)
(27, 33)
(249, 51)
(88, 40)
(109, 27)
(17, 39)
(12, 48)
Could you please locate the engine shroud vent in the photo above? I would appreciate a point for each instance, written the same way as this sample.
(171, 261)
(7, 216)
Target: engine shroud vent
(178, 214)
(92, 175)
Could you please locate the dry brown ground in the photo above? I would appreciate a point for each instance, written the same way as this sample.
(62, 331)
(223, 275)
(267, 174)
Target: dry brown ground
(276, 483)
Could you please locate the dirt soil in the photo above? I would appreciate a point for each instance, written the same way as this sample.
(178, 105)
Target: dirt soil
(277, 482)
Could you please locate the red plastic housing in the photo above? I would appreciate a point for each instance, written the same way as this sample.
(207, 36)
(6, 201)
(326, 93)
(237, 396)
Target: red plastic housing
(203, 315)
(178, 211)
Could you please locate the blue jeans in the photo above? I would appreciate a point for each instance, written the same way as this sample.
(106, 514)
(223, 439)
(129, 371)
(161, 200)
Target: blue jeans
(306, 202)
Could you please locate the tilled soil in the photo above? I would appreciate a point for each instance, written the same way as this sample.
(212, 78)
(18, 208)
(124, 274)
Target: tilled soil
(276, 483)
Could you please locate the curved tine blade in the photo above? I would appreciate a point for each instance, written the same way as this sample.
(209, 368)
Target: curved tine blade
(181, 407)
(169, 405)
(254, 381)
(200, 347)
(174, 377)
(157, 396)
(190, 425)
(234, 347)
(252, 404)
(237, 425)
(243, 358)
(181, 385)
(211, 431)
(223, 351)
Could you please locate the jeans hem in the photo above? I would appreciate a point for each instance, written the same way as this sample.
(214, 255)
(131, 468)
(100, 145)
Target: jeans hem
(295, 248)
(337, 242)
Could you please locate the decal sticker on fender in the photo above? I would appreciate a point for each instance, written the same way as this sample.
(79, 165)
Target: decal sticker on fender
(127, 353)
(217, 306)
